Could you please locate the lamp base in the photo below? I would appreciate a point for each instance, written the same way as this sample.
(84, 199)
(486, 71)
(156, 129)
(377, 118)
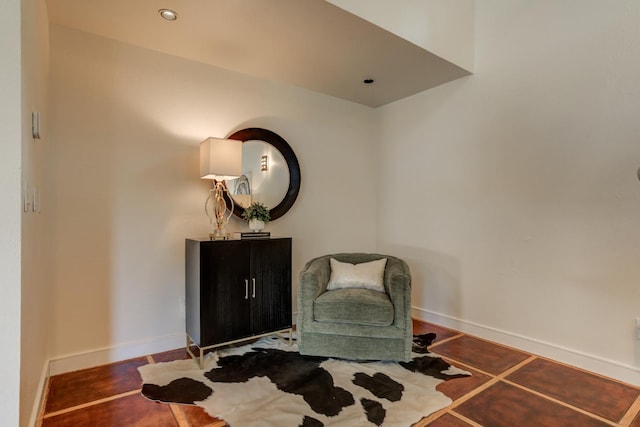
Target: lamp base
(219, 219)
(219, 235)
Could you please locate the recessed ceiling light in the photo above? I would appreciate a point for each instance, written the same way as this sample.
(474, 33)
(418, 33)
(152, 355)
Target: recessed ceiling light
(168, 14)
(368, 81)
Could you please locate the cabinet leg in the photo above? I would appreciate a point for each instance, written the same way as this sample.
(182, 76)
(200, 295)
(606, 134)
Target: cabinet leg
(200, 357)
(288, 341)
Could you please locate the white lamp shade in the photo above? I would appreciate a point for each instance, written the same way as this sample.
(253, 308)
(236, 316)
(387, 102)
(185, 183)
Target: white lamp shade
(220, 159)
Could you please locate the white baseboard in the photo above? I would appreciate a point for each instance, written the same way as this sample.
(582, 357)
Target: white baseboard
(103, 356)
(608, 368)
(38, 401)
(106, 355)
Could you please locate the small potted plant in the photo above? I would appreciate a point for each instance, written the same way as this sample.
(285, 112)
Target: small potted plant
(257, 214)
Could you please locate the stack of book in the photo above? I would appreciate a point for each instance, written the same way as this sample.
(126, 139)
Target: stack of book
(252, 234)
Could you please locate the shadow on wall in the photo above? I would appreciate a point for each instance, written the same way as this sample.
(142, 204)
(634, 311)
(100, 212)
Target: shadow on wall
(436, 279)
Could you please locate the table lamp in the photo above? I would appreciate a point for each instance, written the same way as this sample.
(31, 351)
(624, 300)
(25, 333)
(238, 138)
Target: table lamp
(220, 159)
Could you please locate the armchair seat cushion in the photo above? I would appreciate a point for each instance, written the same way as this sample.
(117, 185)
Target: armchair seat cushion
(355, 306)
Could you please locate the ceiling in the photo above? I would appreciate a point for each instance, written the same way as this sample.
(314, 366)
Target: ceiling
(306, 43)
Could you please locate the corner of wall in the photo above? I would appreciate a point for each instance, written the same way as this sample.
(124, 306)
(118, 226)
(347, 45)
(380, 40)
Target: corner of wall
(37, 408)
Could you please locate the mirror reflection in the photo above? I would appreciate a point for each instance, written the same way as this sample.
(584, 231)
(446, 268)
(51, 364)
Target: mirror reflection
(265, 176)
(271, 173)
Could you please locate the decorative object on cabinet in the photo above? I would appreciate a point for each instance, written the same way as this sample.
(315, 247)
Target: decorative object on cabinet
(220, 159)
(257, 215)
(352, 321)
(236, 290)
(241, 190)
(279, 184)
(256, 225)
(252, 234)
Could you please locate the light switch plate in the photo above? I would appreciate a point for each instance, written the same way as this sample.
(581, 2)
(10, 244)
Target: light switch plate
(35, 124)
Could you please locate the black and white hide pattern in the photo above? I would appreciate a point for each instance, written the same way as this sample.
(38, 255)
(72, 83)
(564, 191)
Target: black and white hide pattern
(268, 383)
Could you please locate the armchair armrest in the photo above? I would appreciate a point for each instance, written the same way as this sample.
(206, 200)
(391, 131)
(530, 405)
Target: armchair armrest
(314, 279)
(397, 280)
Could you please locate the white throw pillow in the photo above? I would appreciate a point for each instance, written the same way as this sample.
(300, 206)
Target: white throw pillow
(367, 275)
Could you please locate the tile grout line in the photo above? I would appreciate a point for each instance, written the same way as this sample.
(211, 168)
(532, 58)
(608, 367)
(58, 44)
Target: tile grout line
(494, 343)
(178, 415)
(633, 386)
(473, 393)
(92, 403)
(176, 412)
(45, 415)
(631, 413)
(530, 356)
(629, 416)
(465, 419)
(494, 379)
(595, 374)
(561, 403)
(502, 374)
(502, 377)
(424, 422)
(445, 340)
(626, 420)
(441, 413)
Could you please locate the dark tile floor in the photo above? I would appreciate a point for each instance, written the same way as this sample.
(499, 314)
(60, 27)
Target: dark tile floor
(508, 388)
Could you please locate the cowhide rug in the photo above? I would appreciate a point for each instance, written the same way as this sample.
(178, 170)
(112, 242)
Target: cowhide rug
(268, 383)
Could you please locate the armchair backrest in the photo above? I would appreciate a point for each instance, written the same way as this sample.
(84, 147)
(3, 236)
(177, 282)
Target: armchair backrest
(393, 267)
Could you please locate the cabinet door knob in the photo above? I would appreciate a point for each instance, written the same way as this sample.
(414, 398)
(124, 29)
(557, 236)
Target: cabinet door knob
(253, 295)
(246, 289)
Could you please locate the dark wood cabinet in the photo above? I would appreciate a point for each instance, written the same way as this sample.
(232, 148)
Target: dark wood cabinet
(236, 289)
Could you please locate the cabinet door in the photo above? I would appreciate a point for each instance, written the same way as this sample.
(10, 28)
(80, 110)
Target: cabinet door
(225, 294)
(271, 268)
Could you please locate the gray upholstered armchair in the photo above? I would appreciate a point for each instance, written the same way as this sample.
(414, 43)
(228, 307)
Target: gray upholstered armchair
(355, 323)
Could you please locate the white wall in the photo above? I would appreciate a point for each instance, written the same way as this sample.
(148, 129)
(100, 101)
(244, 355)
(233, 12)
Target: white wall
(10, 124)
(36, 311)
(125, 127)
(513, 192)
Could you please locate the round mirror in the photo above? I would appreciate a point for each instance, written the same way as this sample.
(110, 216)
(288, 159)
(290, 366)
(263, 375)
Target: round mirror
(270, 173)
